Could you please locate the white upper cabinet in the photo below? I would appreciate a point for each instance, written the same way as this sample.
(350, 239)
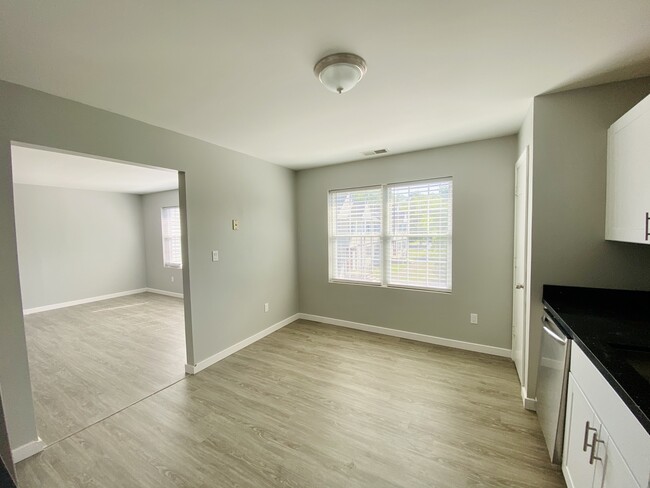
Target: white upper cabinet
(628, 176)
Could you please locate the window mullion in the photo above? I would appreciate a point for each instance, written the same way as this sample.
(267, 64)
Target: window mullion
(385, 239)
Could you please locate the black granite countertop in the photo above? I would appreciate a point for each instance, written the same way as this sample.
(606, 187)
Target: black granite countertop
(612, 327)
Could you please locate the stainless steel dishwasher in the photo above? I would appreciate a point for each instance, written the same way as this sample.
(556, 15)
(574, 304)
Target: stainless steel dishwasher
(552, 381)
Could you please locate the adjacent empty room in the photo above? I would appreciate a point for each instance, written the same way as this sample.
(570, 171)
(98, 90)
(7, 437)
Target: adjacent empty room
(100, 259)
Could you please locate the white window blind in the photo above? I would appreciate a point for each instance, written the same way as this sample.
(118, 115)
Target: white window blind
(171, 234)
(355, 235)
(396, 235)
(419, 234)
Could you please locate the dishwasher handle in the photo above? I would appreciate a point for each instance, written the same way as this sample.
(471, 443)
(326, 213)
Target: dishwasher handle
(550, 332)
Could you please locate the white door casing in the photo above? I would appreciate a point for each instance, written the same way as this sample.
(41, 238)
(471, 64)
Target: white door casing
(520, 300)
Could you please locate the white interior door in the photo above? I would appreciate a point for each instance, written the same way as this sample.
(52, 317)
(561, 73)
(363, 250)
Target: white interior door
(520, 293)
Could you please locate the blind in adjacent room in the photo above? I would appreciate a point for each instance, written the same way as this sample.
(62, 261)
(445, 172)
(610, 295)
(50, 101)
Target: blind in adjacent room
(171, 234)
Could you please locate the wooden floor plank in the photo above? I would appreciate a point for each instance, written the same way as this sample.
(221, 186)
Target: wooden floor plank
(314, 405)
(89, 361)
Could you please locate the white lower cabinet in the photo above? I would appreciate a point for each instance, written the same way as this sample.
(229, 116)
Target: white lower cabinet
(591, 458)
(580, 418)
(612, 471)
(605, 445)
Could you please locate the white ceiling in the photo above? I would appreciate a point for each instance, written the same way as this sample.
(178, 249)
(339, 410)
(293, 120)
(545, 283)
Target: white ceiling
(238, 73)
(33, 166)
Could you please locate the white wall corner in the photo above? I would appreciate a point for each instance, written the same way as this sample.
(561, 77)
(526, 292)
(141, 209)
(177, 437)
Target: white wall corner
(27, 450)
(529, 403)
(414, 336)
(201, 365)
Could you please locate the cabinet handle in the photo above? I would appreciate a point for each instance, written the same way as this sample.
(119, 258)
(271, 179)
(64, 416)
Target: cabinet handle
(585, 442)
(647, 225)
(594, 442)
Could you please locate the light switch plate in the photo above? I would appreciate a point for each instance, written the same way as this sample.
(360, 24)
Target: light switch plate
(235, 224)
(473, 318)
(215, 256)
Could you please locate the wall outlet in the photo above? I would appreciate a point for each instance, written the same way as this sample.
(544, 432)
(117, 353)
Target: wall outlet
(215, 257)
(235, 224)
(473, 318)
(266, 307)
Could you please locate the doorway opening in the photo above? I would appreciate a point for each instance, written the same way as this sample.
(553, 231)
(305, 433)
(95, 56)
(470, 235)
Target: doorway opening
(100, 254)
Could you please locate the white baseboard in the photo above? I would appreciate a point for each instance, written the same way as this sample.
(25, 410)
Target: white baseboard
(54, 306)
(27, 450)
(201, 365)
(164, 292)
(529, 403)
(440, 341)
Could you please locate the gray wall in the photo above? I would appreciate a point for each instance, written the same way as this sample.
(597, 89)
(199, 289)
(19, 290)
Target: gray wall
(483, 176)
(75, 244)
(570, 170)
(158, 276)
(258, 262)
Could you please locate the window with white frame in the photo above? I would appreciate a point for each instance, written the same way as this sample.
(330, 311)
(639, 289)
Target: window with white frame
(397, 235)
(171, 236)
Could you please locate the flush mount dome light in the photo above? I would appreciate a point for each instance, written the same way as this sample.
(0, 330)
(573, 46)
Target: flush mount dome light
(340, 72)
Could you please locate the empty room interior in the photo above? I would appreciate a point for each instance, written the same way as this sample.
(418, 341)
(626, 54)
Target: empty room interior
(100, 263)
(308, 244)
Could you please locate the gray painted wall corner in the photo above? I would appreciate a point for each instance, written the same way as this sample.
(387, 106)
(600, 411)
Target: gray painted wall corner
(483, 174)
(568, 234)
(226, 303)
(14, 369)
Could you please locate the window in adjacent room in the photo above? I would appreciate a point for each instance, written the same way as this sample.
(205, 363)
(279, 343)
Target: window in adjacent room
(397, 235)
(171, 236)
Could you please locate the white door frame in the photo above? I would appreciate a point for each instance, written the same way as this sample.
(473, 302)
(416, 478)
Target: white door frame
(522, 294)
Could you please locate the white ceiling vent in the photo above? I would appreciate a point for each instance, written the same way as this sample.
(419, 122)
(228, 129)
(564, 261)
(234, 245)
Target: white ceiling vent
(375, 152)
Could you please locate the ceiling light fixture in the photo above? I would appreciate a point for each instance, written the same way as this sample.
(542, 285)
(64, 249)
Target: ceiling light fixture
(340, 72)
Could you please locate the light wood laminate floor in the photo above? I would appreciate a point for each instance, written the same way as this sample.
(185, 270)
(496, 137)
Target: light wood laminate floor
(313, 406)
(89, 361)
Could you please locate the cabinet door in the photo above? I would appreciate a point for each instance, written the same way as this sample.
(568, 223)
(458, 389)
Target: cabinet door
(580, 426)
(611, 471)
(628, 176)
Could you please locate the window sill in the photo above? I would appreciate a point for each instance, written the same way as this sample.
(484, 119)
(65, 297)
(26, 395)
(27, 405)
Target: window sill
(392, 287)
